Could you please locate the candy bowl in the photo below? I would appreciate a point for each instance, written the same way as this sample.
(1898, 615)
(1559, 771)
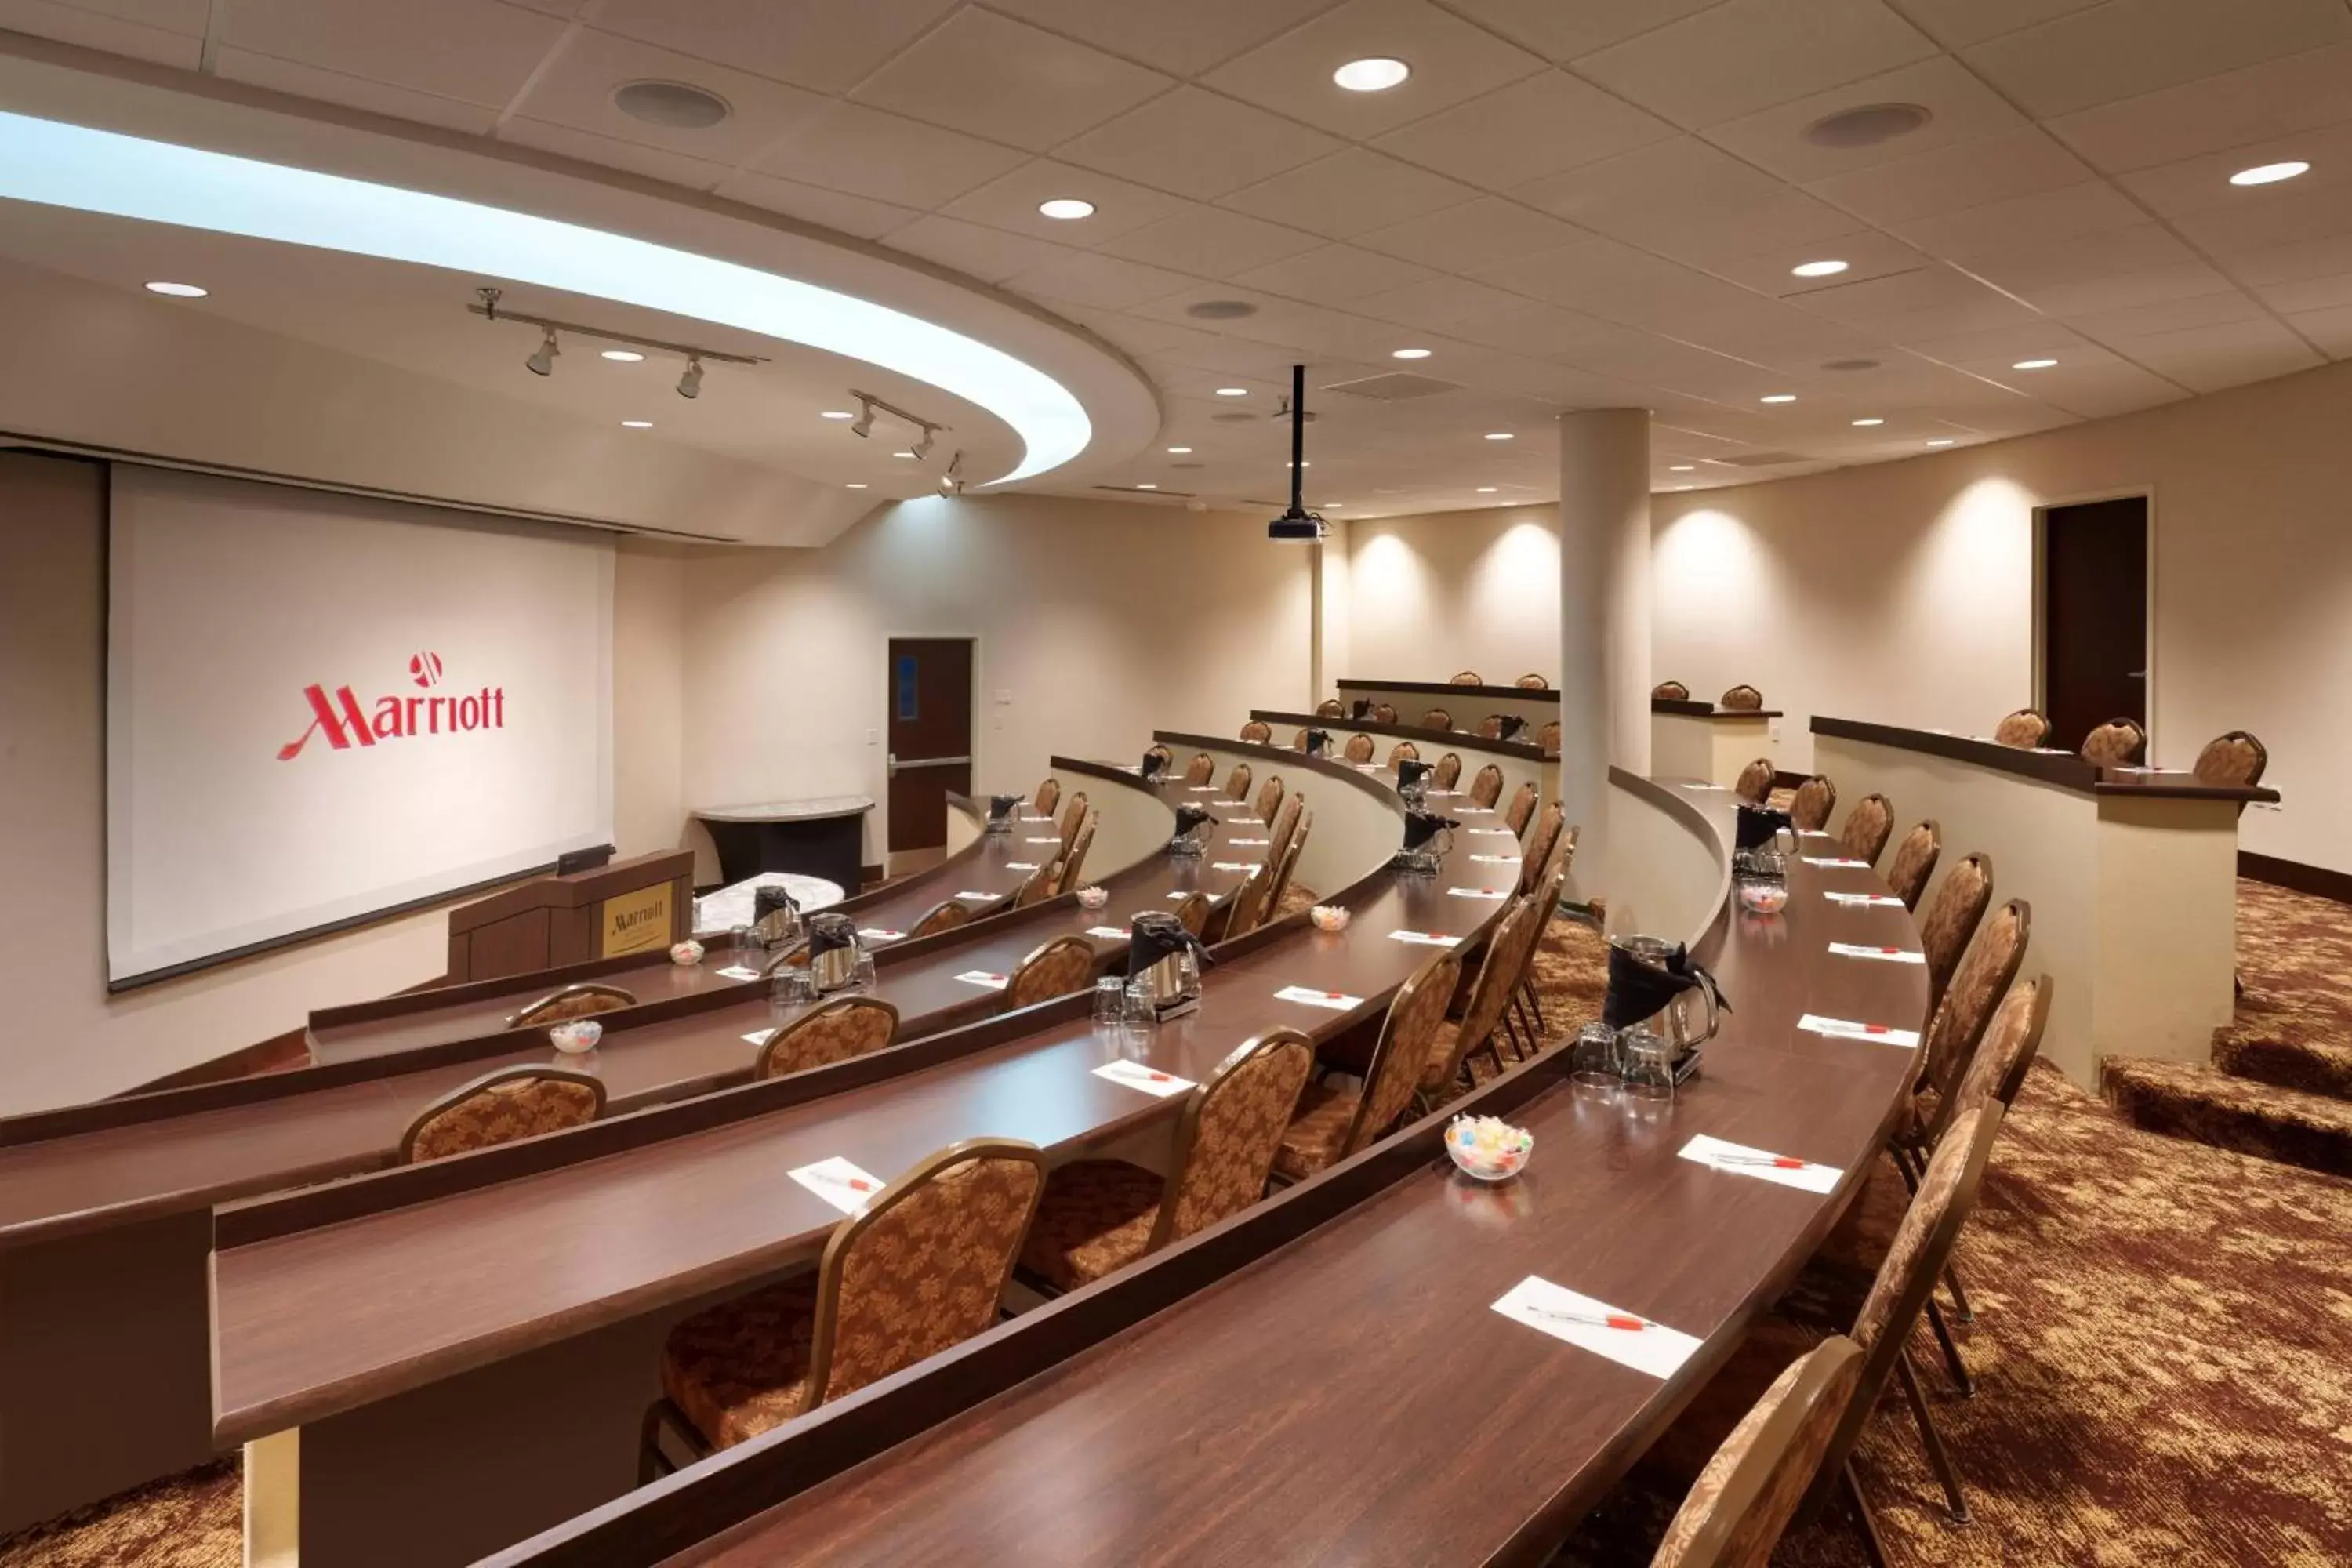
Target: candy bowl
(1093, 897)
(1328, 917)
(575, 1036)
(686, 955)
(1487, 1148)
(1763, 897)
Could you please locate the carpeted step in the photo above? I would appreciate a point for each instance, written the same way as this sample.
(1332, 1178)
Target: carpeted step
(2268, 1057)
(2189, 1099)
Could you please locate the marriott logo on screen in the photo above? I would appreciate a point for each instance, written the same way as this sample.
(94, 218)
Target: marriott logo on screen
(343, 721)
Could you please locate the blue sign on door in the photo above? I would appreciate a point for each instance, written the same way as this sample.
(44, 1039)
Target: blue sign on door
(902, 676)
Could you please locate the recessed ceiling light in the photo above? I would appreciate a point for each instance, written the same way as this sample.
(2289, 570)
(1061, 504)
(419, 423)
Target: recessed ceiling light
(178, 290)
(1308, 464)
(853, 484)
(1817, 268)
(1333, 505)
(2270, 173)
(2033, 365)
(1066, 208)
(1499, 436)
(637, 424)
(675, 104)
(1407, 353)
(902, 454)
(624, 356)
(1865, 423)
(835, 414)
(1375, 75)
(1777, 397)
(1147, 487)
(1233, 392)
(1941, 441)
(1682, 487)
(1178, 451)
(1485, 490)
(1683, 468)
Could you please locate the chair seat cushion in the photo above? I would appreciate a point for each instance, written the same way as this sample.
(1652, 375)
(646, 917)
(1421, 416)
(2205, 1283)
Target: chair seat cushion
(1317, 1131)
(741, 1368)
(1096, 1217)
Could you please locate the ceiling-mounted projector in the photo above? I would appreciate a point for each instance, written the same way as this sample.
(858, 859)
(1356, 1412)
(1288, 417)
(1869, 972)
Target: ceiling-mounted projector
(1298, 523)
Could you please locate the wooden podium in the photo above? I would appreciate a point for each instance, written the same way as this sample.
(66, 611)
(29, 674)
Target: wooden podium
(638, 905)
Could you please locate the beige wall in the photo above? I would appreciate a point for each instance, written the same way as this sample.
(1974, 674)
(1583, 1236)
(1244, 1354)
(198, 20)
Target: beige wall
(1903, 592)
(1430, 595)
(65, 1038)
(1098, 620)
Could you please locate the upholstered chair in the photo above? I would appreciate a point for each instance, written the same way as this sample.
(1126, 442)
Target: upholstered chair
(1754, 785)
(1951, 919)
(2117, 743)
(1054, 969)
(1201, 770)
(1468, 677)
(1333, 1121)
(1867, 827)
(1535, 854)
(1436, 718)
(919, 1270)
(1243, 910)
(2026, 728)
(1287, 866)
(1743, 1501)
(1073, 816)
(1269, 798)
(1330, 708)
(1670, 691)
(1522, 810)
(841, 1029)
(1447, 773)
(1039, 885)
(1532, 683)
(1490, 728)
(1402, 751)
(1360, 748)
(1741, 699)
(520, 1101)
(1192, 912)
(1237, 782)
(1384, 713)
(1298, 740)
(1099, 1215)
(1915, 862)
(1546, 894)
(1486, 786)
(2235, 760)
(1482, 1015)
(582, 1001)
(1283, 823)
(1258, 732)
(1815, 799)
(945, 915)
(1073, 859)
(1048, 796)
(1957, 1027)
(1163, 754)
(1548, 738)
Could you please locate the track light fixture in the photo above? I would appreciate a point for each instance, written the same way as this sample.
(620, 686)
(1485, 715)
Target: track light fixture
(868, 405)
(543, 362)
(690, 383)
(952, 480)
(923, 448)
(865, 425)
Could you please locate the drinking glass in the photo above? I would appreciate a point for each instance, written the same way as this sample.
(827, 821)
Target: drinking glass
(740, 939)
(1594, 1063)
(792, 985)
(862, 976)
(1139, 1009)
(1649, 1069)
(1111, 1000)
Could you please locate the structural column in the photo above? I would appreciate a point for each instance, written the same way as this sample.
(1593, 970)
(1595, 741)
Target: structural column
(1604, 620)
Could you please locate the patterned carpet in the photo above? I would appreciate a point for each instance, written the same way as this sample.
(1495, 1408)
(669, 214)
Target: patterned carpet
(191, 1521)
(2280, 1083)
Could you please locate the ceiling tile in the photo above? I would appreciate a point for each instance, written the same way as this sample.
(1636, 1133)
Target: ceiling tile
(1184, 40)
(1750, 55)
(2093, 207)
(474, 50)
(1687, 199)
(351, 92)
(1488, 229)
(2292, 263)
(2330, 329)
(1974, 174)
(2126, 48)
(576, 87)
(2036, 270)
(1962, 108)
(1003, 80)
(1437, 302)
(1010, 201)
(1931, 301)
(1563, 31)
(1198, 144)
(1994, 352)
(817, 44)
(1335, 272)
(162, 32)
(1210, 242)
(1105, 283)
(2206, 359)
(2101, 391)
(2118, 328)
(2195, 195)
(1955, 23)
(2260, 103)
(815, 204)
(848, 147)
(2307, 293)
(1865, 254)
(1538, 126)
(1452, 62)
(1349, 192)
(989, 254)
(636, 157)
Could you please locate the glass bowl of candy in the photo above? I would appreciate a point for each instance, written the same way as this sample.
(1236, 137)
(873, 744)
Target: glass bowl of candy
(686, 955)
(1763, 897)
(576, 1035)
(1093, 897)
(1328, 917)
(1489, 1148)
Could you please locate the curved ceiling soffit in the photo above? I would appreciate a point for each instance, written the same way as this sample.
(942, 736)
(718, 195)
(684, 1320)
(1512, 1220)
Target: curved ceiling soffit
(1070, 398)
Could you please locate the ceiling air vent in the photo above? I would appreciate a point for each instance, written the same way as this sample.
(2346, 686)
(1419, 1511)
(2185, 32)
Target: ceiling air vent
(1394, 386)
(1140, 490)
(1761, 459)
(1231, 419)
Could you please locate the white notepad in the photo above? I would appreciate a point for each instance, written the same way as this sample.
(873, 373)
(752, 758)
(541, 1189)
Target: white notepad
(739, 971)
(1425, 938)
(1493, 895)
(1338, 1001)
(1237, 864)
(1109, 934)
(1151, 1080)
(1496, 859)
(982, 977)
(1626, 1337)
(1834, 864)
(984, 897)
(1847, 1029)
(1738, 1160)
(880, 934)
(1884, 954)
(1865, 900)
(839, 1182)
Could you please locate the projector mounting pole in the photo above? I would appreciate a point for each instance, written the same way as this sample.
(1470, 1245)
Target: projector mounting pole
(1297, 439)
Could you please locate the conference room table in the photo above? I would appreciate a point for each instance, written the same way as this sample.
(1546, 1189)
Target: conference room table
(1359, 1394)
(105, 1222)
(390, 1419)
(1467, 704)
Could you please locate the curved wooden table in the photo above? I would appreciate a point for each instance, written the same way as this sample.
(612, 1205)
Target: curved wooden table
(1352, 1398)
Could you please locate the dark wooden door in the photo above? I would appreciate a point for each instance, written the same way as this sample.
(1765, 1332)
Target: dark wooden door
(930, 736)
(2093, 616)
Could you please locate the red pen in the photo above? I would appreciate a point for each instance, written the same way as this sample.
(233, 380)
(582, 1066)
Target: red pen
(1613, 1320)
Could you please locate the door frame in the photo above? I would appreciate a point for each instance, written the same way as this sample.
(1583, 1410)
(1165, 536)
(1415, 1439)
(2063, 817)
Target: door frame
(889, 676)
(2038, 608)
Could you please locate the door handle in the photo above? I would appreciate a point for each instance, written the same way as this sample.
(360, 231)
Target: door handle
(896, 763)
(2135, 675)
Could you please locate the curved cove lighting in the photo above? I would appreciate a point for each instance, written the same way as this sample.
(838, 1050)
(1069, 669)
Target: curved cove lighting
(56, 164)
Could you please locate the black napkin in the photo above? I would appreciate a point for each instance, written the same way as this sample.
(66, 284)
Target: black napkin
(1758, 825)
(1361, 710)
(1512, 724)
(1639, 989)
(1188, 817)
(1154, 934)
(1421, 826)
(1153, 761)
(1411, 772)
(1000, 807)
(770, 899)
(830, 930)
(1318, 742)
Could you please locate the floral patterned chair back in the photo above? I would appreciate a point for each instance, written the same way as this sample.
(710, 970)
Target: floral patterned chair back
(1384, 713)
(1755, 782)
(1532, 683)
(2117, 743)
(2024, 728)
(1330, 708)
(1952, 919)
(1670, 691)
(1228, 1132)
(1237, 783)
(1486, 786)
(1867, 829)
(1201, 770)
(836, 1032)
(1269, 798)
(2235, 759)
(520, 1101)
(1048, 796)
(1447, 773)
(584, 1001)
(945, 915)
(1743, 1501)
(1258, 732)
(1741, 699)
(1915, 862)
(1815, 799)
(1056, 969)
(1522, 810)
(1360, 748)
(1957, 1029)
(1073, 859)
(1468, 677)
(1436, 718)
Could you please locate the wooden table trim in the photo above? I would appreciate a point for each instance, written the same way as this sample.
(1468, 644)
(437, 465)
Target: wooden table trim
(1692, 707)
(1449, 740)
(1440, 688)
(2063, 769)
